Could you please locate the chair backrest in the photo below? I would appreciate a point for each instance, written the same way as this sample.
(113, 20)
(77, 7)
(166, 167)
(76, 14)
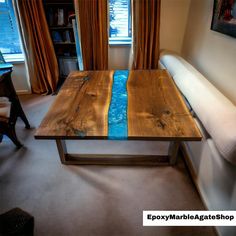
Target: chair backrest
(2, 61)
(3, 64)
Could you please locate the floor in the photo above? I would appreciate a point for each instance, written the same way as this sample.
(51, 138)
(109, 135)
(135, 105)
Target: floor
(90, 200)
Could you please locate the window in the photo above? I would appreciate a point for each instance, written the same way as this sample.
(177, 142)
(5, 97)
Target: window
(120, 22)
(9, 37)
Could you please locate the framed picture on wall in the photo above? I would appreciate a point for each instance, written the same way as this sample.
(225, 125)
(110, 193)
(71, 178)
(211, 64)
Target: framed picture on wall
(224, 17)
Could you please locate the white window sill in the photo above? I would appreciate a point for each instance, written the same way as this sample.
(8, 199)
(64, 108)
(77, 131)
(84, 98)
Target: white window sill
(14, 58)
(120, 41)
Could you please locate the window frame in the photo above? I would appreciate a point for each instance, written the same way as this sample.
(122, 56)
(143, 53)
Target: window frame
(121, 41)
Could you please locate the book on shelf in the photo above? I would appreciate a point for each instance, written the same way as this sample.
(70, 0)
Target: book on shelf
(66, 36)
(50, 17)
(67, 65)
(56, 37)
(71, 16)
(60, 17)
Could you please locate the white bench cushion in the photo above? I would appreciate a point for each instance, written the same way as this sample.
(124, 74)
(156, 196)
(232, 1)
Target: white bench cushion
(216, 112)
(5, 108)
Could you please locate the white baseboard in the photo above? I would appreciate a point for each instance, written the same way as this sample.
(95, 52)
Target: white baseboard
(25, 91)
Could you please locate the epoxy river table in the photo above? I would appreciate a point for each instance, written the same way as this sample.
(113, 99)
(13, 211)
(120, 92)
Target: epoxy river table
(119, 105)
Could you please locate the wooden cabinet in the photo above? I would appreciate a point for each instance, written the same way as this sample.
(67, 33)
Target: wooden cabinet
(59, 14)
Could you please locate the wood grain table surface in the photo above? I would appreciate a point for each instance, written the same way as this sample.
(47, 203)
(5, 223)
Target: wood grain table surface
(156, 109)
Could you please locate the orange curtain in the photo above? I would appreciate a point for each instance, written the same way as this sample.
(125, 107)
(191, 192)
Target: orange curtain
(146, 27)
(39, 52)
(93, 30)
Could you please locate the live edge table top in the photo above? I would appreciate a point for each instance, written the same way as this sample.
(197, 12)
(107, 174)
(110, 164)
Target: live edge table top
(155, 108)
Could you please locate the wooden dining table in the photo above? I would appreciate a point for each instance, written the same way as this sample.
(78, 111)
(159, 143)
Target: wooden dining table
(142, 105)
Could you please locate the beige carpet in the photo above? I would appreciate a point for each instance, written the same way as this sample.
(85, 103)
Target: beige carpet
(90, 200)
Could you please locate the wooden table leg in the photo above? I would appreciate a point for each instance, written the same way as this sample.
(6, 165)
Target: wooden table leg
(173, 151)
(62, 150)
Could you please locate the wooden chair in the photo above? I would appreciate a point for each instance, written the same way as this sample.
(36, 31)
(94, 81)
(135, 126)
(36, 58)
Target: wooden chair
(7, 90)
(7, 121)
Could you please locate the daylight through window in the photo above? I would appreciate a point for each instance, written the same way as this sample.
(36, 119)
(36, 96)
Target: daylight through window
(9, 36)
(120, 22)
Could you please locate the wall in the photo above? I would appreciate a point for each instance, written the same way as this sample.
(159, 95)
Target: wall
(212, 53)
(19, 78)
(174, 14)
(118, 57)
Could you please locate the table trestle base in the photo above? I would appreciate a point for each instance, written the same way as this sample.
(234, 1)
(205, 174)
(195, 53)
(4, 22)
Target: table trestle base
(118, 160)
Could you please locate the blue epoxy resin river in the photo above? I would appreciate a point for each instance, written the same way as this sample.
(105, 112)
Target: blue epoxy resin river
(117, 115)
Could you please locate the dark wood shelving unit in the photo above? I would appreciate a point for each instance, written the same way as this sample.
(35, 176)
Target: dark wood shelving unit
(63, 43)
(63, 2)
(60, 27)
(59, 14)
